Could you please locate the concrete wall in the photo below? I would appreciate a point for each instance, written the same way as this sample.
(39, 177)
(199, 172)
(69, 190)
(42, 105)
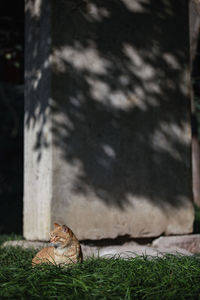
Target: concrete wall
(107, 131)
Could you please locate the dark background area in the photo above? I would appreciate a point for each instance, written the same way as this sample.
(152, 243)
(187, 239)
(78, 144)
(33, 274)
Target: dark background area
(11, 114)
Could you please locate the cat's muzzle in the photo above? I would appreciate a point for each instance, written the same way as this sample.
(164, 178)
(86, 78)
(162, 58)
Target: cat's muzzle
(55, 245)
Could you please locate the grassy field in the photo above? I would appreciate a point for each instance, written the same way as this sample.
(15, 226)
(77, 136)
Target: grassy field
(170, 277)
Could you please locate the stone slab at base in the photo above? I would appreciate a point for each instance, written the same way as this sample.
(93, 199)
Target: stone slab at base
(127, 250)
(190, 243)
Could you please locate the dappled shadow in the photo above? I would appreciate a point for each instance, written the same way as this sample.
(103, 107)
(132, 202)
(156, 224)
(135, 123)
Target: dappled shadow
(119, 101)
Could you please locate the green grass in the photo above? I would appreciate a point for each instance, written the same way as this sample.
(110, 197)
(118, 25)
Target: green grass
(171, 277)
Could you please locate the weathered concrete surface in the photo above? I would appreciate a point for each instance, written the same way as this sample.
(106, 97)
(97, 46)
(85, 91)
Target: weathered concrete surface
(26, 244)
(190, 243)
(123, 251)
(107, 141)
(126, 251)
(37, 123)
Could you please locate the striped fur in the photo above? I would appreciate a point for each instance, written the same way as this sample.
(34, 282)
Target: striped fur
(66, 248)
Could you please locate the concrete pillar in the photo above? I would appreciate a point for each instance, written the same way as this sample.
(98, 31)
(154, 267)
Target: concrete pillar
(107, 130)
(38, 164)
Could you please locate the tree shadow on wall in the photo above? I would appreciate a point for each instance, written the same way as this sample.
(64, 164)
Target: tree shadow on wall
(118, 68)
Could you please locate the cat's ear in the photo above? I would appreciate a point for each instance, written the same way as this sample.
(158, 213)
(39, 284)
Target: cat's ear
(65, 228)
(56, 225)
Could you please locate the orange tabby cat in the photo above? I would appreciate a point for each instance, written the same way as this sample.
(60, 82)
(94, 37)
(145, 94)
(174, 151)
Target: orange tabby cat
(66, 248)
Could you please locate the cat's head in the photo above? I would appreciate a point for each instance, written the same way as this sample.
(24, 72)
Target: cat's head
(60, 236)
